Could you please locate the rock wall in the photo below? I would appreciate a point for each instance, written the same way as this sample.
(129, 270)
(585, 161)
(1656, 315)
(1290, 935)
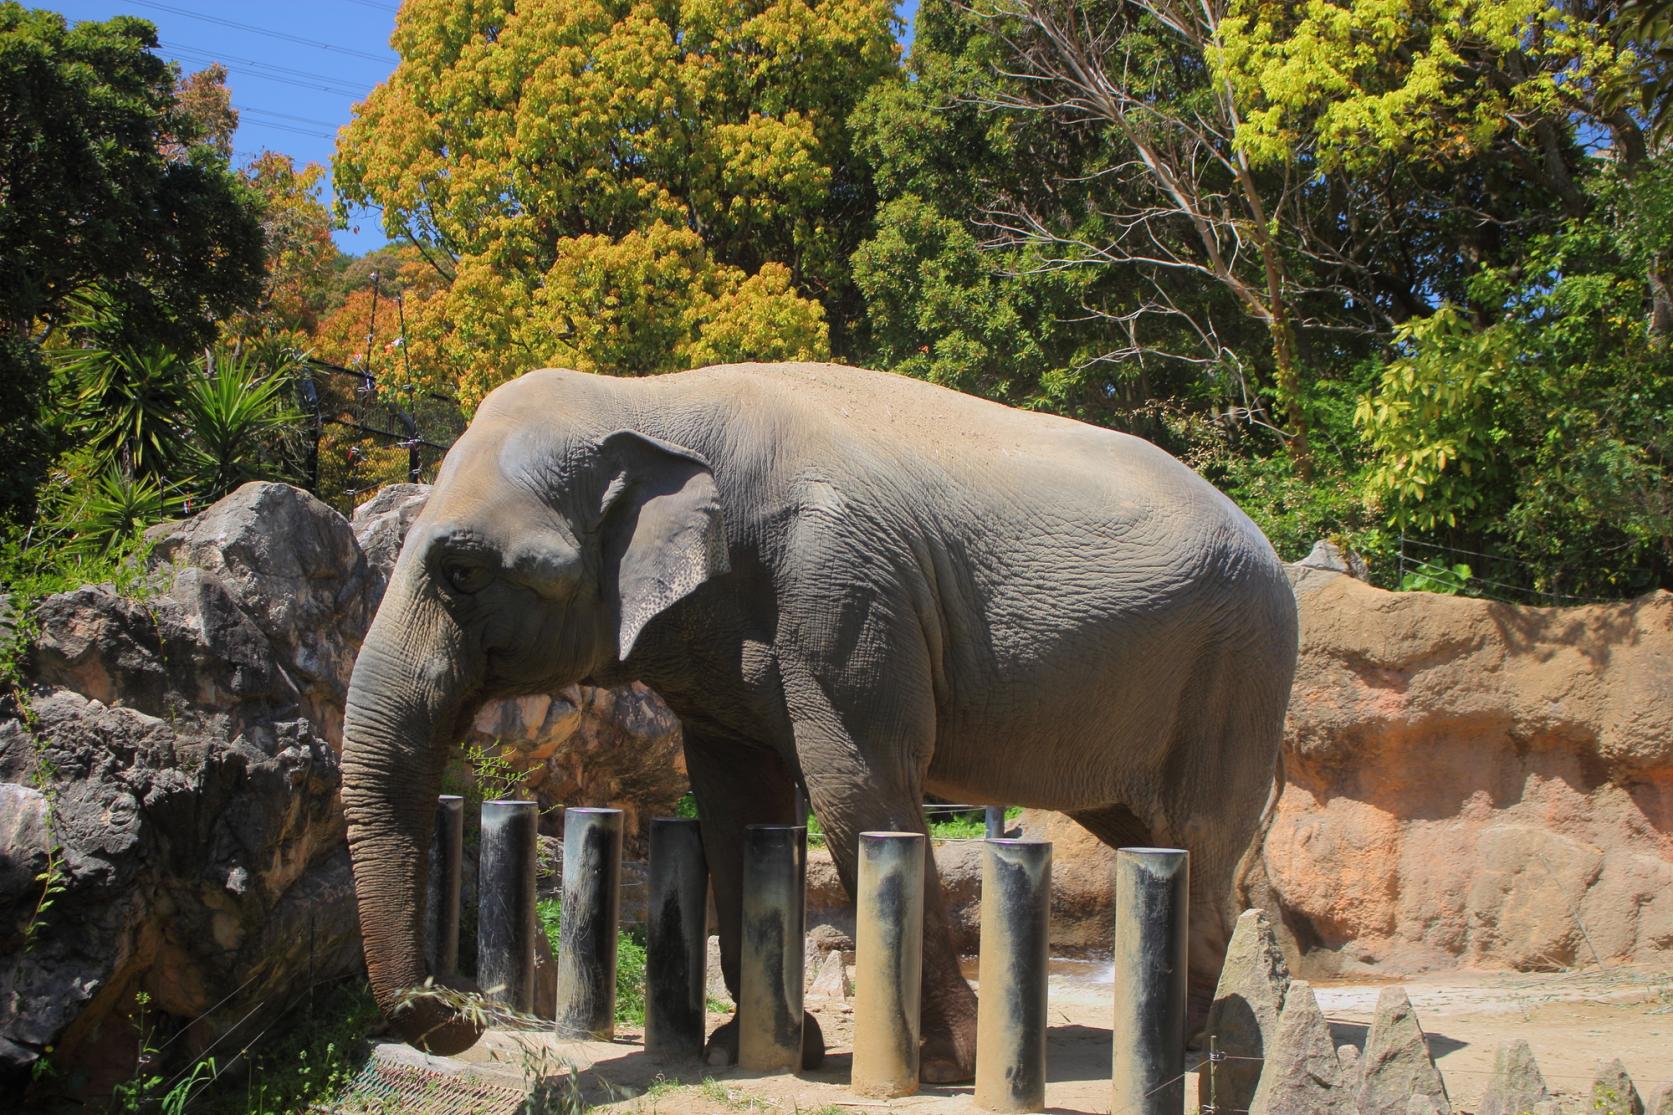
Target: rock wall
(189, 739)
(1473, 782)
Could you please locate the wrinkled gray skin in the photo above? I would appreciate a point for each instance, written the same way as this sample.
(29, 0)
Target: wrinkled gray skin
(860, 581)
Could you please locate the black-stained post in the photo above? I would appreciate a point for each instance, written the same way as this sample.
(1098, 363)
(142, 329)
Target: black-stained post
(771, 962)
(676, 944)
(592, 872)
(1011, 1009)
(505, 918)
(1151, 907)
(889, 963)
(441, 901)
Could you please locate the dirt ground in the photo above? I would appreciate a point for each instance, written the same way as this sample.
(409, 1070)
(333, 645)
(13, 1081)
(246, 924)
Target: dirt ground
(1573, 1020)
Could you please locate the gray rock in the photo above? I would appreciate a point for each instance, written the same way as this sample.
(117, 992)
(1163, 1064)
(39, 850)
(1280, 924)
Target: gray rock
(1301, 1075)
(1515, 1084)
(1244, 1018)
(1396, 1064)
(830, 981)
(1348, 1056)
(380, 524)
(1613, 1092)
(1326, 554)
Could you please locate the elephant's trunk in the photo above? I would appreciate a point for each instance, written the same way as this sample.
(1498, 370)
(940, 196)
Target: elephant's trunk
(404, 706)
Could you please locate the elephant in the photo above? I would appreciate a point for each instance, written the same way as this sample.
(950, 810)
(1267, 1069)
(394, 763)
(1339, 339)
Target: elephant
(851, 583)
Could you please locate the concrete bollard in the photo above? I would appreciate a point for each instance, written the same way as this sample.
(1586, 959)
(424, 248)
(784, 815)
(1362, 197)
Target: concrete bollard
(771, 961)
(676, 944)
(592, 873)
(1011, 1009)
(1151, 909)
(441, 900)
(889, 963)
(505, 920)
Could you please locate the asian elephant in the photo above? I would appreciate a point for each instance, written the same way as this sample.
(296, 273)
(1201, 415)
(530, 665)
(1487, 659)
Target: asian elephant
(849, 580)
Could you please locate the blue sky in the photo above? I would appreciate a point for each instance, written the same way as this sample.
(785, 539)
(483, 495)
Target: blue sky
(296, 68)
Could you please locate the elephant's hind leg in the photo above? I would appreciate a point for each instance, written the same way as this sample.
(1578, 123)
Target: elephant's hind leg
(1119, 827)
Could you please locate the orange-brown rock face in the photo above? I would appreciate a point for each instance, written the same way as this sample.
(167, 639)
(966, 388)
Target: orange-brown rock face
(1475, 782)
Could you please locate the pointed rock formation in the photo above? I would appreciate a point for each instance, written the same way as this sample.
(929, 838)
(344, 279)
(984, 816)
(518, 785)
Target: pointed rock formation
(1244, 1017)
(830, 982)
(1613, 1092)
(1396, 1063)
(1301, 1075)
(1348, 1057)
(1516, 1084)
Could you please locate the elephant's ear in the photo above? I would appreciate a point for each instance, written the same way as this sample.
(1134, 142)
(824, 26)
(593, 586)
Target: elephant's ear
(661, 526)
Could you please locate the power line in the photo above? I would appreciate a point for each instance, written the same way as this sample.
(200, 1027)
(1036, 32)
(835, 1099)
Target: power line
(284, 116)
(377, 6)
(356, 88)
(235, 25)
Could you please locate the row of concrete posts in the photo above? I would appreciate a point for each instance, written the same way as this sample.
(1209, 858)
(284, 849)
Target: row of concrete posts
(1150, 949)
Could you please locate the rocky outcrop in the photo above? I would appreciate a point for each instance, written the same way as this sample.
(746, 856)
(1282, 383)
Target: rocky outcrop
(1474, 782)
(174, 771)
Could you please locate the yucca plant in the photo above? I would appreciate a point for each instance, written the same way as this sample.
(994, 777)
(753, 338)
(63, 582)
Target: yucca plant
(118, 506)
(233, 416)
(127, 404)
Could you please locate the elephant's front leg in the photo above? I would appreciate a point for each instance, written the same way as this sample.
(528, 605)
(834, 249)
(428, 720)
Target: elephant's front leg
(738, 785)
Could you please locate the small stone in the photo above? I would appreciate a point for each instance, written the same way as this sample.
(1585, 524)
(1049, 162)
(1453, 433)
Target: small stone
(1613, 1092)
(1244, 1018)
(1515, 1084)
(1302, 1075)
(830, 982)
(1396, 1065)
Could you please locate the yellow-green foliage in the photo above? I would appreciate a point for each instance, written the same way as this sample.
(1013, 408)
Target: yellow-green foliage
(1432, 80)
(624, 187)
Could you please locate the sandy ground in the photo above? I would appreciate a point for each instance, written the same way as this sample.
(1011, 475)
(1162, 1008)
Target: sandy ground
(1573, 1021)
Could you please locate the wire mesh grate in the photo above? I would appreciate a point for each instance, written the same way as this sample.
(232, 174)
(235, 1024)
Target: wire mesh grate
(382, 1087)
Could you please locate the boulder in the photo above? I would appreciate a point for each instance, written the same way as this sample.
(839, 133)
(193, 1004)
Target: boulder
(1469, 782)
(1396, 1064)
(1243, 1019)
(1515, 1083)
(179, 752)
(1662, 1102)
(1613, 1092)
(1300, 1074)
(1424, 1105)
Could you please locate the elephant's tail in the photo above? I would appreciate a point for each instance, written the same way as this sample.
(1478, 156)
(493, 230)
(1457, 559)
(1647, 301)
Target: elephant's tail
(1251, 884)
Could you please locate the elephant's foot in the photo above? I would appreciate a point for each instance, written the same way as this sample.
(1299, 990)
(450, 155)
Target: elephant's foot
(948, 1056)
(722, 1048)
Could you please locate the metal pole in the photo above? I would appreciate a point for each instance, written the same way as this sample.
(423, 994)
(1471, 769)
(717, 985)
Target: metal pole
(770, 967)
(505, 921)
(889, 963)
(1011, 1009)
(1151, 887)
(996, 822)
(441, 901)
(676, 944)
(592, 872)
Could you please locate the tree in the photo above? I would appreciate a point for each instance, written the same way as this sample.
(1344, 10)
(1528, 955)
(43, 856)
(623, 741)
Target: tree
(299, 256)
(109, 197)
(626, 186)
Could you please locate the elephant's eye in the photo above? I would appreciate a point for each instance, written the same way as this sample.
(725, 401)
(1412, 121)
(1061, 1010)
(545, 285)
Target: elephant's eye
(466, 577)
